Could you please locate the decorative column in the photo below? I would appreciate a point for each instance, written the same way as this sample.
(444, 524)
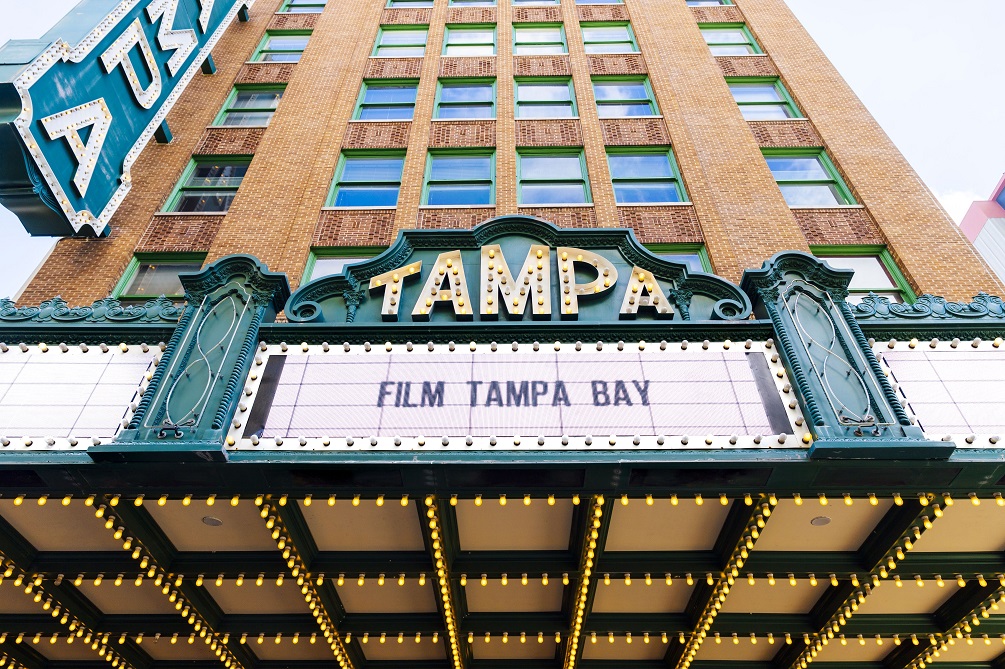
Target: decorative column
(194, 391)
(852, 410)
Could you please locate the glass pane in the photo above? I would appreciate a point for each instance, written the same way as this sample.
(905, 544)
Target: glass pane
(546, 193)
(608, 110)
(292, 43)
(550, 167)
(465, 111)
(630, 192)
(738, 50)
(247, 118)
(466, 93)
(797, 169)
(411, 3)
(470, 50)
(869, 271)
(755, 93)
(543, 92)
(366, 196)
(598, 2)
(460, 194)
(281, 57)
(386, 113)
(401, 51)
(651, 165)
(380, 93)
(545, 111)
(256, 99)
(304, 10)
(471, 36)
(372, 169)
(392, 37)
(159, 279)
(473, 3)
(527, 35)
(606, 34)
(202, 201)
(217, 176)
(724, 36)
(692, 260)
(538, 49)
(329, 266)
(460, 168)
(616, 47)
(765, 112)
(705, 3)
(799, 195)
(620, 90)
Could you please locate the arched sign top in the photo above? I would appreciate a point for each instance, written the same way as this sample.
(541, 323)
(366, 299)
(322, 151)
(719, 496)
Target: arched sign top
(517, 268)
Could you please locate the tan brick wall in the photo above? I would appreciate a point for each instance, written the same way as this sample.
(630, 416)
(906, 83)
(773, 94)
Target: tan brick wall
(549, 132)
(229, 141)
(839, 225)
(445, 134)
(662, 225)
(353, 227)
(265, 73)
(83, 270)
(773, 134)
(930, 250)
(179, 233)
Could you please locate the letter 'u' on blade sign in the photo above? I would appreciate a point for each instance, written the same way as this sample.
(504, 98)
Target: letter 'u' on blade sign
(92, 95)
(568, 258)
(445, 283)
(392, 282)
(501, 291)
(643, 291)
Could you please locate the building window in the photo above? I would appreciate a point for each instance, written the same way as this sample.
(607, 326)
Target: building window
(303, 6)
(459, 179)
(550, 178)
(538, 40)
(367, 180)
(394, 42)
(762, 99)
(208, 186)
(599, 2)
(472, 3)
(648, 177)
(808, 179)
(409, 3)
(693, 255)
(281, 47)
(545, 98)
(465, 99)
(386, 101)
(328, 261)
(151, 275)
(250, 107)
(620, 98)
(730, 40)
(875, 271)
(609, 38)
(470, 41)
(525, 3)
(707, 3)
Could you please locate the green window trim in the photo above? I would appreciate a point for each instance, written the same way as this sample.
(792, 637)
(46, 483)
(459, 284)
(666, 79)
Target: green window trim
(427, 180)
(119, 292)
(472, 3)
(524, 27)
(518, 105)
(632, 41)
(786, 98)
(384, 30)
(368, 83)
(708, 3)
(180, 189)
(650, 98)
(748, 37)
(455, 28)
(870, 250)
(682, 250)
(323, 252)
(297, 6)
(262, 50)
(409, 3)
(365, 153)
(843, 192)
(530, 3)
(439, 104)
(228, 106)
(556, 152)
(674, 178)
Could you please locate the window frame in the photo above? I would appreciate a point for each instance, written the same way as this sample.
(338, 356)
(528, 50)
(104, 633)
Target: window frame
(362, 153)
(533, 3)
(119, 292)
(878, 251)
(365, 85)
(226, 108)
(557, 152)
(599, 2)
(437, 100)
(650, 94)
(381, 30)
(779, 86)
(179, 188)
(600, 24)
(453, 27)
(473, 3)
(675, 177)
(322, 252)
(718, 3)
(567, 80)
(561, 29)
(696, 249)
(416, 4)
(829, 167)
(285, 8)
(751, 40)
(451, 152)
(260, 50)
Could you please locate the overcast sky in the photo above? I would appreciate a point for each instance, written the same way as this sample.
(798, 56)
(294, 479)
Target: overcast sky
(928, 70)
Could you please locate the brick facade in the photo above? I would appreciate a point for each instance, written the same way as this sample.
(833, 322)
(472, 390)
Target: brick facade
(736, 209)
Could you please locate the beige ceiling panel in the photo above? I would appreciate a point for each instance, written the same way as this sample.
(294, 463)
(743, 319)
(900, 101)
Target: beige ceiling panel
(978, 651)
(639, 597)
(965, 528)
(128, 598)
(367, 527)
(254, 599)
(908, 598)
(162, 650)
(743, 649)
(513, 649)
(55, 527)
(407, 650)
(194, 528)
(287, 651)
(665, 527)
(814, 527)
(779, 598)
(13, 600)
(621, 649)
(388, 598)
(65, 652)
(515, 526)
(533, 597)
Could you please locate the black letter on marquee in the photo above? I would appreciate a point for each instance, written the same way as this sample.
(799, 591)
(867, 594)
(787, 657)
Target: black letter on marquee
(430, 397)
(643, 391)
(538, 388)
(600, 392)
(404, 399)
(621, 394)
(385, 389)
(514, 397)
(495, 394)
(561, 396)
(474, 391)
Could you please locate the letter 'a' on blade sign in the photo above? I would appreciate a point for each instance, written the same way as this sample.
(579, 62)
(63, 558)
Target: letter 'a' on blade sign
(445, 284)
(644, 292)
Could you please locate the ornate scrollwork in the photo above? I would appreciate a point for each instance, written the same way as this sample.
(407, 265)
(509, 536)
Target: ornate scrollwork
(107, 310)
(933, 307)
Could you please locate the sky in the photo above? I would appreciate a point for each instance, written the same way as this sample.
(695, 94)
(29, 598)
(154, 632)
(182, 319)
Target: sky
(928, 70)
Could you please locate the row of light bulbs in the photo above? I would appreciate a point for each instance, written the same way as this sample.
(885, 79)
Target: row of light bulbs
(586, 569)
(961, 630)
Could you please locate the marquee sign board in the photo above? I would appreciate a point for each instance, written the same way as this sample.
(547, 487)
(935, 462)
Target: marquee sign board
(80, 104)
